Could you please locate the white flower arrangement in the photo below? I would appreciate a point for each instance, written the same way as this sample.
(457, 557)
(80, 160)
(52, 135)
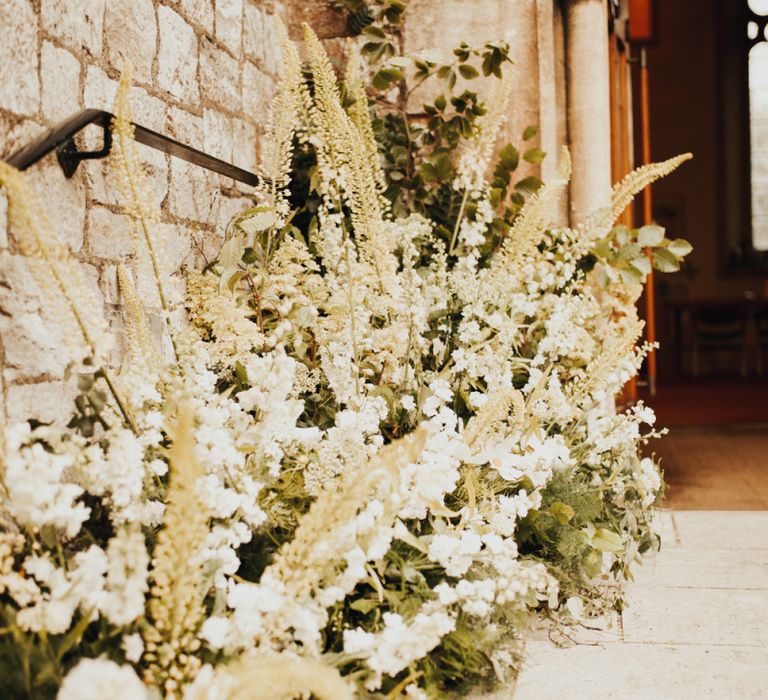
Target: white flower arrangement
(369, 459)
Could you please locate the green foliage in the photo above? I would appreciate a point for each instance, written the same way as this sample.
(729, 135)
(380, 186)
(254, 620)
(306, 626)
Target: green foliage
(419, 143)
(630, 254)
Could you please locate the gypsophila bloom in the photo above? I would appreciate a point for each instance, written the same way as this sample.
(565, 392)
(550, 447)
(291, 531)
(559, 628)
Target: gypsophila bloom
(96, 679)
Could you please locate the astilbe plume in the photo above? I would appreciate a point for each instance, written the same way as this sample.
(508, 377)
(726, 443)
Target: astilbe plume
(360, 114)
(277, 142)
(277, 677)
(175, 608)
(600, 222)
(135, 193)
(310, 561)
(141, 351)
(529, 226)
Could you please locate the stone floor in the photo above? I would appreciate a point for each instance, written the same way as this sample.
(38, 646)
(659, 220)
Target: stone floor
(696, 623)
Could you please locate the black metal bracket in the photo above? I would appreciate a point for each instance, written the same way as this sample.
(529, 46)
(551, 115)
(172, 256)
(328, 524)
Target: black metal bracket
(61, 139)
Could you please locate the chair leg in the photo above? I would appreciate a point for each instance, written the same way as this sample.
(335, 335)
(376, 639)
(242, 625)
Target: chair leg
(694, 359)
(744, 362)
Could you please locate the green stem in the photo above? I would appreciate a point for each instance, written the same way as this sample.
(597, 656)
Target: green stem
(457, 225)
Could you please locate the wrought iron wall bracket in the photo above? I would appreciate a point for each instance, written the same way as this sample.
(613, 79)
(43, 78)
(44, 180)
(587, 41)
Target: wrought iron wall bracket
(61, 139)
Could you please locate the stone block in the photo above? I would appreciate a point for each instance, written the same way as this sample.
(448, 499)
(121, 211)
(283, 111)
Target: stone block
(271, 53)
(49, 402)
(192, 191)
(177, 246)
(327, 21)
(68, 194)
(177, 58)
(258, 89)
(3, 221)
(253, 32)
(99, 93)
(229, 24)
(17, 133)
(217, 134)
(244, 145)
(199, 12)
(31, 336)
(184, 126)
(20, 86)
(130, 33)
(109, 234)
(61, 83)
(100, 90)
(219, 77)
(77, 27)
(149, 111)
(103, 180)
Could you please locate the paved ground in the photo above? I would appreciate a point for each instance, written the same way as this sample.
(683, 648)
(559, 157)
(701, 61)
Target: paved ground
(696, 625)
(715, 467)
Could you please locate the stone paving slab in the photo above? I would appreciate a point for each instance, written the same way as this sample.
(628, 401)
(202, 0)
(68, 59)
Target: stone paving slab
(721, 529)
(697, 616)
(625, 671)
(695, 625)
(706, 568)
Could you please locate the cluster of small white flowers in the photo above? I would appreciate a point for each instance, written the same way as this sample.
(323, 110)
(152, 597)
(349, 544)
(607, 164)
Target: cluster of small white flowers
(96, 679)
(400, 642)
(38, 494)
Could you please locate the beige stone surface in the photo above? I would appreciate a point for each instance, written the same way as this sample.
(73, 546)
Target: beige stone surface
(219, 77)
(60, 71)
(229, 24)
(198, 11)
(3, 221)
(258, 89)
(109, 234)
(642, 672)
(47, 401)
(177, 56)
(79, 27)
(131, 35)
(694, 625)
(18, 47)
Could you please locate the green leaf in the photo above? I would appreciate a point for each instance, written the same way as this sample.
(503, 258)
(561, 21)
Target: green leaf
(385, 77)
(467, 71)
(561, 512)
(665, 261)
(649, 236)
(232, 252)
(509, 157)
(679, 247)
(530, 132)
(364, 605)
(534, 155)
(607, 541)
(630, 275)
(642, 264)
(528, 184)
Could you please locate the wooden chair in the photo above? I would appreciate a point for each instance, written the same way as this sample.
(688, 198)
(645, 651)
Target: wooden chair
(719, 328)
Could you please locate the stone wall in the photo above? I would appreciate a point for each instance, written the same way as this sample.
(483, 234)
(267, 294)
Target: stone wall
(204, 72)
